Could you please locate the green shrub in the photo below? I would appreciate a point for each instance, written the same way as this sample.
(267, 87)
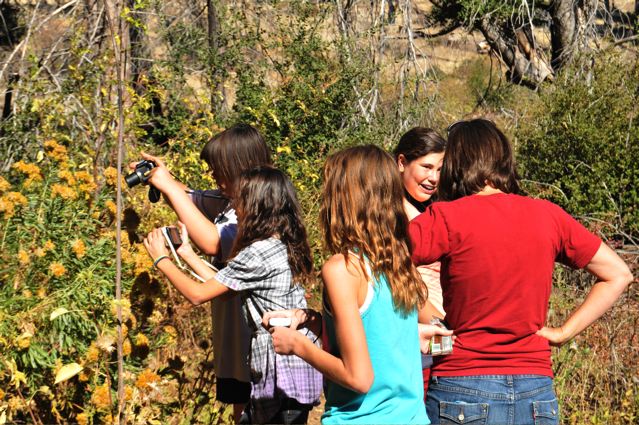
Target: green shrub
(581, 151)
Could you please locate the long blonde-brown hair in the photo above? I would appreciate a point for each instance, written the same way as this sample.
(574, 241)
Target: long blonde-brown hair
(362, 211)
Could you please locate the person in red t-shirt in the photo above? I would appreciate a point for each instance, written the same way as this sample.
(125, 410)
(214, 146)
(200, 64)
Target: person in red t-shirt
(498, 249)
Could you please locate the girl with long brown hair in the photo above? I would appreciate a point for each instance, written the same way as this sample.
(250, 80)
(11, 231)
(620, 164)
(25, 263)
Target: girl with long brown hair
(372, 293)
(269, 262)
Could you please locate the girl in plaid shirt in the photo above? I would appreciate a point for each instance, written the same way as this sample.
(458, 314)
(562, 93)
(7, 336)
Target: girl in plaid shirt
(269, 263)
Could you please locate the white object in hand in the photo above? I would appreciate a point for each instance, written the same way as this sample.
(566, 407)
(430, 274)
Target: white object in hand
(279, 321)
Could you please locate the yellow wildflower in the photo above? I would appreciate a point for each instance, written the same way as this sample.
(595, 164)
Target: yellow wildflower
(111, 207)
(41, 292)
(39, 252)
(101, 397)
(141, 340)
(48, 245)
(126, 347)
(23, 257)
(146, 378)
(93, 353)
(27, 293)
(64, 192)
(4, 185)
(31, 170)
(24, 340)
(56, 150)
(128, 393)
(83, 377)
(111, 176)
(67, 175)
(57, 269)
(9, 201)
(79, 248)
(143, 263)
(82, 419)
(88, 184)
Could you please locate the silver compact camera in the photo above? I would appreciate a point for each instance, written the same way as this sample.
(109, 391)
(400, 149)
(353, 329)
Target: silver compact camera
(440, 344)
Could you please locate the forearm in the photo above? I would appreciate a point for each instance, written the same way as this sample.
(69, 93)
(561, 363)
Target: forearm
(196, 293)
(427, 312)
(601, 297)
(332, 367)
(198, 266)
(201, 230)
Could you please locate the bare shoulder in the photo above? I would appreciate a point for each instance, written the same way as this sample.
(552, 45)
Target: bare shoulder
(339, 268)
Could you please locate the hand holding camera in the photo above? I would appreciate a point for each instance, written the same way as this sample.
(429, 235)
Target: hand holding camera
(150, 171)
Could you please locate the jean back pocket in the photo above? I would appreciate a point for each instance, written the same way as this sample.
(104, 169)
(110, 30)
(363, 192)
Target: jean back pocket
(546, 412)
(463, 413)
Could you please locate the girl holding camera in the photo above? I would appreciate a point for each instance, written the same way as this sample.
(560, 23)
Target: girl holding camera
(211, 221)
(269, 262)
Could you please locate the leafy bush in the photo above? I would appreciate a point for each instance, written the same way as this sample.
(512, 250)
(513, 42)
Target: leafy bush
(581, 151)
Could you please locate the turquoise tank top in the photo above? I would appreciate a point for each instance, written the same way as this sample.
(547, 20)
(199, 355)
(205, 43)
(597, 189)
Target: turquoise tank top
(397, 393)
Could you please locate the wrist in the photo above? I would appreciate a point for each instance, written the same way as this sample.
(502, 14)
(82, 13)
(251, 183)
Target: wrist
(159, 260)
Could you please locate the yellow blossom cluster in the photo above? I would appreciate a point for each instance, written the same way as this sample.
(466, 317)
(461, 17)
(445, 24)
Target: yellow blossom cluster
(113, 209)
(141, 340)
(82, 418)
(67, 175)
(9, 201)
(64, 192)
(79, 248)
(126, 347)
(146, 378)
(87, 183)
(48, 245)
(4, 185)
(93, 353)
(31, 170)
(23, 257)
(111, 176)
(101, 397)
(57, 269)
(56, 150)
(143, 263)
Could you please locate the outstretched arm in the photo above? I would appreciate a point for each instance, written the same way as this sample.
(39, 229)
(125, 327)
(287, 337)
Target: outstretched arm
(613, 277)
(354, 369)
(203, 233)
(196, 293)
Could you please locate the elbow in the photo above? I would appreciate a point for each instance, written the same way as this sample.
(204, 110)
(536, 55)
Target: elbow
(627, 278)
(196, 299)
(363, 384)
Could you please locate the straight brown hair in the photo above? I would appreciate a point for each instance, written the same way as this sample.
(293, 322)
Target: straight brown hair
(477, 154)
(362, 212)
(234, 150)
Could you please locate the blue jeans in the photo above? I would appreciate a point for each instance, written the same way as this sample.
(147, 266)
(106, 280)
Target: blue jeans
(492, 400)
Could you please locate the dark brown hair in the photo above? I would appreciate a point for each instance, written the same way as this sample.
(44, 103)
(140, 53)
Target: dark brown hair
(478, 153)
(266, 205)
(236, 149)
(362, 211)
(418, 142)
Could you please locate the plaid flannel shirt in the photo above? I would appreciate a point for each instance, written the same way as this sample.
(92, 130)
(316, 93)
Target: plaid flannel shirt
(262, 275)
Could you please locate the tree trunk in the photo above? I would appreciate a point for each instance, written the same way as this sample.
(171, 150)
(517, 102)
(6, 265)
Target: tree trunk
(519, 53)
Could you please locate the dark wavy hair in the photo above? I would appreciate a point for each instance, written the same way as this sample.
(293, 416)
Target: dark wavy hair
(418, 142)
(266, 206)
(228, 153)
(478, 153)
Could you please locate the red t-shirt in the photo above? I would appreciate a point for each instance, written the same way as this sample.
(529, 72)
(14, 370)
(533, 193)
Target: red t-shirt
(498, 253)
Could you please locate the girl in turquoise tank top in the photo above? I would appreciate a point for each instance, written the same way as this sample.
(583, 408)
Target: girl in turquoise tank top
(371, 359)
